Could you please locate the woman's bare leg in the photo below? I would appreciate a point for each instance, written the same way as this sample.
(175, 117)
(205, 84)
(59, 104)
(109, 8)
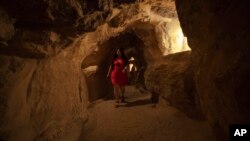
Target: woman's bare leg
(122, 88)
(116, 93)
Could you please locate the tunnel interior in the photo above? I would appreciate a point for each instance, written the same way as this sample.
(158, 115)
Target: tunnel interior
(54, 57)
(97, 64)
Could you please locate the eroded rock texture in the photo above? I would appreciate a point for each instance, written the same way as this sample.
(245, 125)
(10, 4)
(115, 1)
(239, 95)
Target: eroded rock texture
(47, 53)
(218, 34)
(37, 101)
(55, 55)
(44, 28)
(7, 28)
(43, 90)
(172, 78)
(137, 27)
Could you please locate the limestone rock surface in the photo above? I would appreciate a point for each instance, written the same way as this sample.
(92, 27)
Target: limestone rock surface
(217, 34)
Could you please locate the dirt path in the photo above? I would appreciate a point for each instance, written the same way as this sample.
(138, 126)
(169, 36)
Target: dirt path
(139, 120)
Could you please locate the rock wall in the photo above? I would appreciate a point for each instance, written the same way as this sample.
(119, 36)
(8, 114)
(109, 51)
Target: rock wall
(143, 21)
(7, 30)
(43, 90)
(16, 74)
(218, 34)
(171, 78)
(44, 28)
(41, 98)
(45, 44)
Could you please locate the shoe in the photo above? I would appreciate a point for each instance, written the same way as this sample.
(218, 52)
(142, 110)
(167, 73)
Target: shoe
(116, 104)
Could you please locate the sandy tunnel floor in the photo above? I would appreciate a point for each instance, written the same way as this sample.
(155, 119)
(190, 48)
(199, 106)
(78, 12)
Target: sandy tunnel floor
(140, 120)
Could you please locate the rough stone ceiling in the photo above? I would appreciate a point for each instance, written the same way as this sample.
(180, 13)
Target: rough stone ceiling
(150, 20)
(59, 24)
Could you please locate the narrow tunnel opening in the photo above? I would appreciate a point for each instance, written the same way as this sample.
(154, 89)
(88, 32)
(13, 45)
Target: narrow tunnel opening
(96, 65)
(158, 55)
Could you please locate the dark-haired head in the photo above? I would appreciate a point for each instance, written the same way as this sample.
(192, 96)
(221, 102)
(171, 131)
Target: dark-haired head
(120, 53)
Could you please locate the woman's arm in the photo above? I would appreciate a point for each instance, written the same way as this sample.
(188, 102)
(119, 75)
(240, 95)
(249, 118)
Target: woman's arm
(109, 71)
(124, 69)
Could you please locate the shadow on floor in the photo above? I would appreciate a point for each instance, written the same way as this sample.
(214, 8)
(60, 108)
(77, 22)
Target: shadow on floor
(137, 103)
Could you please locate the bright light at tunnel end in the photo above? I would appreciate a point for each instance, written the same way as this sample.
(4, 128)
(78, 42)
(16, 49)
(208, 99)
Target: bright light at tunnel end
(175, 41)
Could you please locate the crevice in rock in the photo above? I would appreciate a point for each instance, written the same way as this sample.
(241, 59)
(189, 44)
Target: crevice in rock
(31, 81)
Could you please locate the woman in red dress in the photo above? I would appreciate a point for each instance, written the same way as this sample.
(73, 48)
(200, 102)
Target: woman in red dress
(118, 74)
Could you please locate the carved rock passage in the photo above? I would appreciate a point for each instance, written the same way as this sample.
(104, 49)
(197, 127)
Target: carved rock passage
(45, 42)
(43, 89)
(218, 34)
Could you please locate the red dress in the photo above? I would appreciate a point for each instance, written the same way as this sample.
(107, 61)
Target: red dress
(117, 75)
